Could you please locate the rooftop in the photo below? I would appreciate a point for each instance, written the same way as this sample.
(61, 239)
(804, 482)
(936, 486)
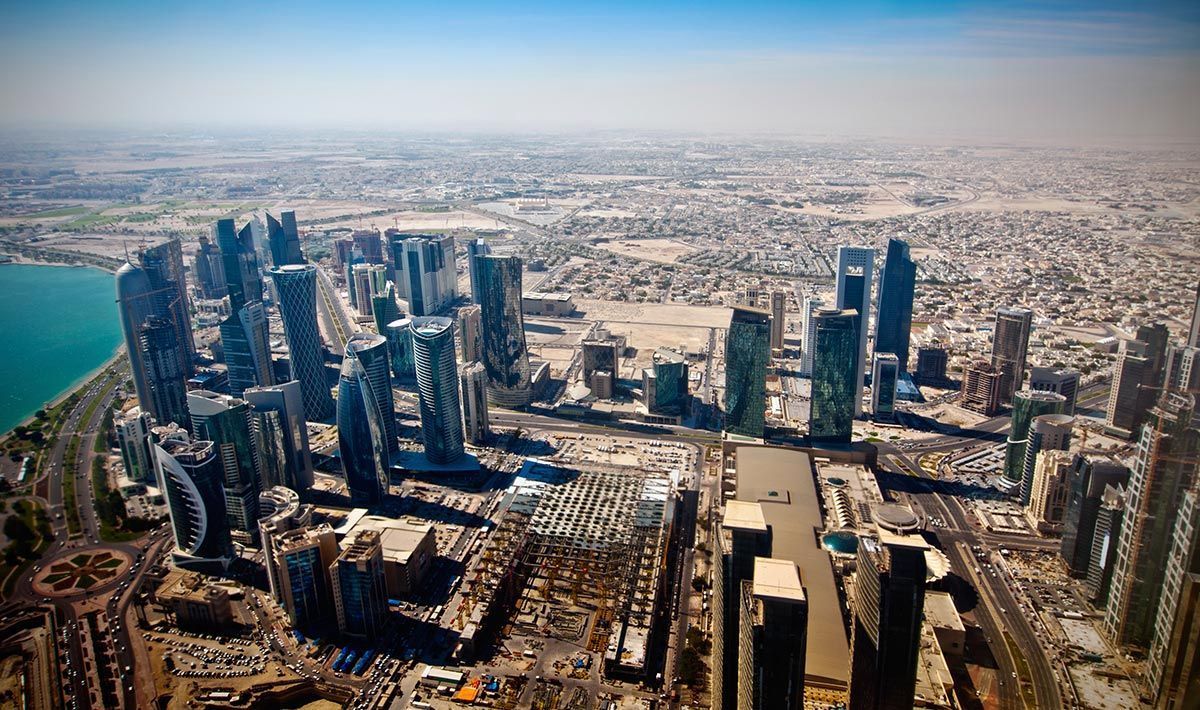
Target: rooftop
(741, 515)
(777, 579)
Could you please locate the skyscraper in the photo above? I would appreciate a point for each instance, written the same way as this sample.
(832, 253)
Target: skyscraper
(885, 370)
(470, 332)
(1110, 516)
(191, 476)
(1182, 569)
(371, 350)
(1139, 372)
(773, 644)
(1092, 474)
(132, 428)
(210, 271)
(1049, 491)
(1047, 432)
(1164, 468)
(226, 422)
(474, 402)
(1193, 338)
(278, 417)
(384, 308)
(1060, 380)
(284, 240)
(742, 538)
(135, 304)
(296, 285)
(893, 322)
(1010, 345)
(163, 263)
(242, 277)
(835, 384)
(1027, 404)
(504, 352)
(981, 388)
(425, 271)
(931, 365)
(363, 424)
(304, 559)
(161, 357)
(281, 511)
(399, 343)
(359, 592)
(747, 353)
(778, 316)
(246, 341)
(855, 270)
(665, 382)
(476, 247)
(811, 305)
(437, 388)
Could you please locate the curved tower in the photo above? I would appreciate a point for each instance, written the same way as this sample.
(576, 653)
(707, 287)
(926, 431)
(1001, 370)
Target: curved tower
(296, 285)
(361, 435)
(371, 350)
(504, 352)
(191, 477)
(399, 340)
(135, 305)
(437, 386)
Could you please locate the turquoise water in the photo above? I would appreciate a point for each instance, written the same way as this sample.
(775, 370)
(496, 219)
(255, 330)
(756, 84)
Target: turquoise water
(841, 541)
(57, 324)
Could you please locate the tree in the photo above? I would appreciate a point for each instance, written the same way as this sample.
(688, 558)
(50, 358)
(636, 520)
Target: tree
(691, 667)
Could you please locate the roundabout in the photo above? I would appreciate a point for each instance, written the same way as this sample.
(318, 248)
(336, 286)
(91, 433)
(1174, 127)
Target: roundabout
(80, 572)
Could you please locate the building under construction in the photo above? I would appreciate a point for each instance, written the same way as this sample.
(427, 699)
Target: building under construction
(580, 555)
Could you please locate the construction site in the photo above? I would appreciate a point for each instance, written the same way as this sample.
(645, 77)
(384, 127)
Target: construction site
(574, 573)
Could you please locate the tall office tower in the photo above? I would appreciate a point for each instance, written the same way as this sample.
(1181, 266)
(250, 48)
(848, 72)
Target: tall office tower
(361, 275)
(778, 318)
(1010, 346)
(284, 239)
(1059, 380)
(893, 322)
(342, 251)
(384, 308)
(1106, 531)
(135, 304)
(1182, 562)
(1047, 432)
(164, 267)
(161, 357)
(425, 272)
(132, 428)
(1091, 475)
(1138, 374)
(470, 333)
(351, 288)
(281, 511)
(247, 343)
(773, 637)
(1049, 491)
(226, 422)
(296, 285)
(504, 352)
(665, 383)
(599, 355)
(811, 305)
(362, 432)
(302, 561)
(473, 380)
(191, 475)
(368, 243)
(1164, 467)
(476, 247)
(280, 423)
(885, 370)
(399, 342)
(1027, 404)
(242, 276)
(359, 592)
(981, 388)
(742, 537)
(931, 365)
(371, 350)
(210, 270)
(889, 598)
(835, 384)
(855, 268)
(747, 353)
(437, 388)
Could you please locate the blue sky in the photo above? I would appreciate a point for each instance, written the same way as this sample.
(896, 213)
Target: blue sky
(1051, 71)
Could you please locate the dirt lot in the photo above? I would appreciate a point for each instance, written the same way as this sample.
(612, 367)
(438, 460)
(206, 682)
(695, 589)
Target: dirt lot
(665, 251)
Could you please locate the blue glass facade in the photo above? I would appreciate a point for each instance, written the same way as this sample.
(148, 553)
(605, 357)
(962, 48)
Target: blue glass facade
(504, 351)
(437, 387)
(747, 352)
(834, 380)
(893, 323)
(296, 286)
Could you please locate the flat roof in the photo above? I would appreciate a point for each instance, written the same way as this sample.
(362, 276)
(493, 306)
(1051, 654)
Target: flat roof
(741, 515)
(781, 480)
(777, 579)
(940, 611)
(398, 537)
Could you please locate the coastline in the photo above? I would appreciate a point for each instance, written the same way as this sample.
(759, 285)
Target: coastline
(20, 260)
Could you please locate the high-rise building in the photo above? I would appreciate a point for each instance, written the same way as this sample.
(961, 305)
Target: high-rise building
(365, 415)
(304, 559)
(778, 318)
(1059, 380)
(470, 333)
(1027, 404)
(278, 418)
(981, 388)
(132, 428)
(284, 239)
(370, 280)
(242, 277)
(855, 270)
(1181, 566)
(1010, 346)
(1164, 468)
(885, 370)
(210, 270)
(135, 304)
(425, 272)
(504, 351)
(889, 598)
(893, 322)
(399, 343)
(474, 402)
(747, 354)
(359, 592)
(1050, 491)
(742, 537)
(191, 475)
(161, 357)
(1047, 432)
(1183, 368)
(811, 305)
(163, 263)
(368, 243)
(773, 637)
(599, 354)
(1138, 374)
(226, 422)
(476, 247)
(371, 350)
(384, 308)
(296, 286)
(931, 365)
(1092, 474)
(437, 388)
(1106, 531)
(665, 383)
(246, 340)
(835, 384)
(281, 511)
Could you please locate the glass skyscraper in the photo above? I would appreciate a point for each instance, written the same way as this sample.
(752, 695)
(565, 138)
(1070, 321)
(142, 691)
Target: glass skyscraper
(834, 379)
(384, 308)
(226, 421)
(284, 240)
(280, 422)
(163, 263)
(893, 322)
(424, 266)
(665, 382)
(366, 419)
(160, 355)
(246, 340)
(884, 371)
(191, 476)
(238, 258)
(1027, 404)
(399, 342)
(504, 352)
(359, 590)
(747, 352)
(476, 247)
(1010, 345)
(437, 387)
(296, 286)
(855, 271)
(473, 388)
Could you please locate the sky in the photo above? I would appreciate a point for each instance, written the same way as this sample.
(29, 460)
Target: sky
(1070, 72)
